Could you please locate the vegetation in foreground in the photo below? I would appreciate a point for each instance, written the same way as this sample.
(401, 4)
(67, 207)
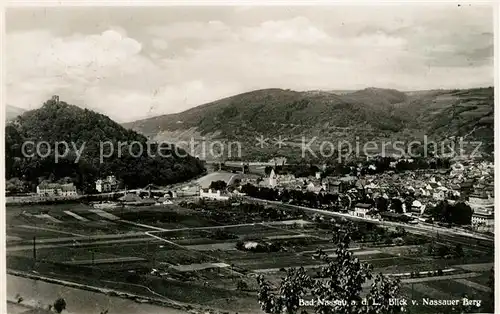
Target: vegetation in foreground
(340, 283)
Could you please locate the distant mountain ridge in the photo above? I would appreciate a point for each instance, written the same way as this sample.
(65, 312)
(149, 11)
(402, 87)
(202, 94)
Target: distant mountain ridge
(370, 114)
(12, 112)
(281, 106)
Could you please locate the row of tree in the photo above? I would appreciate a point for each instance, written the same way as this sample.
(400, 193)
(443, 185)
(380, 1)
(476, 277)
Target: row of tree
(457, 213)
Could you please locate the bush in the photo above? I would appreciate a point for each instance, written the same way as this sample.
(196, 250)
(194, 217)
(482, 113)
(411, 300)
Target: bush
(133, 278)
(241, 285)
(222, 235)
(398, 241)
(240, 245)
(59, 305)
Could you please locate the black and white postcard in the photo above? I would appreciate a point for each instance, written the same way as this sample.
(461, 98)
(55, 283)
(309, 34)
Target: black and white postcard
(249, 158)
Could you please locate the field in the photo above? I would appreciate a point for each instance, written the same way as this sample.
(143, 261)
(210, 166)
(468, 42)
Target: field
(178, 252)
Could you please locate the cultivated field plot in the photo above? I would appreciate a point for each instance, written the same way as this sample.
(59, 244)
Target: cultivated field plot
(456, 289)
(482, 279)
(65, 223)
(447, 289)
(165, 218)
(160, 252)
(222, 277)
(223, 246)
(209, 236)
(403, 264)
(27, 232)
(380, 264)
(266, 261)
(64, 254)
(149, 252)
(65, 228)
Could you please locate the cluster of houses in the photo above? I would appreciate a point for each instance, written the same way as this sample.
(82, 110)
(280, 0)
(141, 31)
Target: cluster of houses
(478, 182)
(108, 184)
(46, 189)
(471, 182)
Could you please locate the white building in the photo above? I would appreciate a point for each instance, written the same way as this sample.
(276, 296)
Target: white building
(439, 195)
(477, 201)
(272, 179)
(278, 161)
(56, 189)
(106, 185)
(213, 195)
(362, 210)
(483, 220)
(417, 207)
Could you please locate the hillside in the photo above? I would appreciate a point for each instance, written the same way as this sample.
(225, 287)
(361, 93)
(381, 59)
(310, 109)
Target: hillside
(369, 114)
(57, 121)
(454, 114)
(258, 108)
(12, 112)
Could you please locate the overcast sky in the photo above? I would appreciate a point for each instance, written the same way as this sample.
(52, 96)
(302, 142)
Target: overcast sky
(131, 63)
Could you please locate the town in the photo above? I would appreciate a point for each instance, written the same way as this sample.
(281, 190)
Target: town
(412, 224)
(461, 195)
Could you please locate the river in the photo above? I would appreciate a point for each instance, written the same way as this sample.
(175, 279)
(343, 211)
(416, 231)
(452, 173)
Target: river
(78, 301)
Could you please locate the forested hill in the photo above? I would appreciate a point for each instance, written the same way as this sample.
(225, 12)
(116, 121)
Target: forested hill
(57, 121)
(371, 114)
(260, 108)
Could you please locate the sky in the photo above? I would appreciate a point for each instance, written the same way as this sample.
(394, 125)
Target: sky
(136, 62)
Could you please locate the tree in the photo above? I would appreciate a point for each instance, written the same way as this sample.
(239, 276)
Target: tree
(59, 305)
(443, 250)
(408, 202)
(400, 231)
(382, 204)
(236, 182)
(218, 185)
(458, 250)
(461, 214)
(397, 205)
(14, 185)
(241, 285)
(341, 279)
(431, 248)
